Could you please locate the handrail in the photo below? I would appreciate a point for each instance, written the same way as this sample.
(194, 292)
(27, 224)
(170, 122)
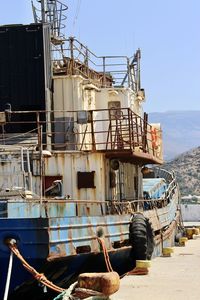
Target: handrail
(76, 55)
(111, 206)
(75, 201)
(110, 130)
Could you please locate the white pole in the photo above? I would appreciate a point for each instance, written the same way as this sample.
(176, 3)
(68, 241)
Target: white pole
(43, 11)
(8, 276)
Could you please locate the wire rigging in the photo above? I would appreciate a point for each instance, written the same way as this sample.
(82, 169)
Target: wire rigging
(76, 14)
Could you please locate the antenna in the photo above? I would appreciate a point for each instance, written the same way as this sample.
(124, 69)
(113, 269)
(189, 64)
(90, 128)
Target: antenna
(52, 12)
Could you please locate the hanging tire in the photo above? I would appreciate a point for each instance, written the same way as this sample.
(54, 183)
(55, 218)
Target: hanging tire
(141, 238)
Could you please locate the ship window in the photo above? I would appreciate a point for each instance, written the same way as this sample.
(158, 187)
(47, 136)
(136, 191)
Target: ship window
(115, 109)
(3, 209)
(48, 182)
(120, 244)
(85, 179)
(82, 117)
(83, 249)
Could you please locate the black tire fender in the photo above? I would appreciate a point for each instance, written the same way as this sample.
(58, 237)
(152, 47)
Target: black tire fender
(141, 237)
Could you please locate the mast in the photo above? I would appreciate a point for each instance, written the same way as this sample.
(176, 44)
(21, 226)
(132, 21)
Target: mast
(52, 13)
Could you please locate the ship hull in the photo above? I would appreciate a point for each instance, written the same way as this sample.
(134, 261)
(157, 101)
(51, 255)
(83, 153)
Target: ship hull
(65, 271)
(33, 239)
(36, 241)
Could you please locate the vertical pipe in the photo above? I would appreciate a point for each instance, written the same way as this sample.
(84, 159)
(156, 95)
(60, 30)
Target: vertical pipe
(86, 61)
(43, 11)
(104, 71)
(41, 171)
(138, 185)
(129, 129)
(120, 184)
(8, 276)
(92, 131)
(71, 42)
(39, 129)
(138, 70)
(22, 168)
(60, 19)
(128, 72)
(132, 130)
(145, 132)
(30, 187)
(48, 81)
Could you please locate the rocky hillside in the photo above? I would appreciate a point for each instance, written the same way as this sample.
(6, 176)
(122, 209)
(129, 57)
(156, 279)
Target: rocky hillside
(187, 170)
(181, 131)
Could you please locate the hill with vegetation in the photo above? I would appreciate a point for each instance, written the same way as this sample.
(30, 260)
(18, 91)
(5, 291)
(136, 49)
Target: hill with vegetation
(187, 170)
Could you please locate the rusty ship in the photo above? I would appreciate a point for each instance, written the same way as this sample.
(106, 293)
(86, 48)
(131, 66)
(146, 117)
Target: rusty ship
(75, 146)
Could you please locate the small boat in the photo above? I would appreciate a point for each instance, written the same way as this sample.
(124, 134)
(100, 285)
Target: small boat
(75, 146)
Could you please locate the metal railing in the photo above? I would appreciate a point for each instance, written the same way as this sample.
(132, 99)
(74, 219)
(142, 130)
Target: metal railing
(93, 130)
(105, 71)
(19, 207)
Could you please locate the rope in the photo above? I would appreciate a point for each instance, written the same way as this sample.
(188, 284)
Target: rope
(106, 256)
(41, 277)
(8, 276)
(38, 276)
(67, 294)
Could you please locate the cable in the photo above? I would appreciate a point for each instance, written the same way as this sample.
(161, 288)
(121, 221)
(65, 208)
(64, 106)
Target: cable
(76, 13)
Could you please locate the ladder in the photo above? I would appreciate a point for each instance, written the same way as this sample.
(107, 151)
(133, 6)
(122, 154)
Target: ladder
(53, 13)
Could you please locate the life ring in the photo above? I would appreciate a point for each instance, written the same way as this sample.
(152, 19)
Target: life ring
(141, 237)
(154, 138)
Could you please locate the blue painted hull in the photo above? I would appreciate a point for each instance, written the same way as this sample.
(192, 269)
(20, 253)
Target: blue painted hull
(69, 268)
(64, 271)
(38, 239)
(33, 240)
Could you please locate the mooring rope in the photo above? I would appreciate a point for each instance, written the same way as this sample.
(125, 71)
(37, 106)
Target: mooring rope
(106, 256)
(42, 278)
(38, 276)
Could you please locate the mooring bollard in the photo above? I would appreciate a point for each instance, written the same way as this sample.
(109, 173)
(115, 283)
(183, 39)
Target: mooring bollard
(183, 240)
(167, 252)
(142, 268)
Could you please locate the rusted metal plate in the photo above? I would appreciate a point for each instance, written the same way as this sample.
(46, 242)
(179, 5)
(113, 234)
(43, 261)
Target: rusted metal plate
(68, 234)
(86, 179)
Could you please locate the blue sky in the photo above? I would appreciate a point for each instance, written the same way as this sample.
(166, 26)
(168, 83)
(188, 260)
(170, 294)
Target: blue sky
(167, 31)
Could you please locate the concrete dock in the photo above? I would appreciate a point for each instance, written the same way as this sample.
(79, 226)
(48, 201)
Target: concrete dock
(169, 278)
